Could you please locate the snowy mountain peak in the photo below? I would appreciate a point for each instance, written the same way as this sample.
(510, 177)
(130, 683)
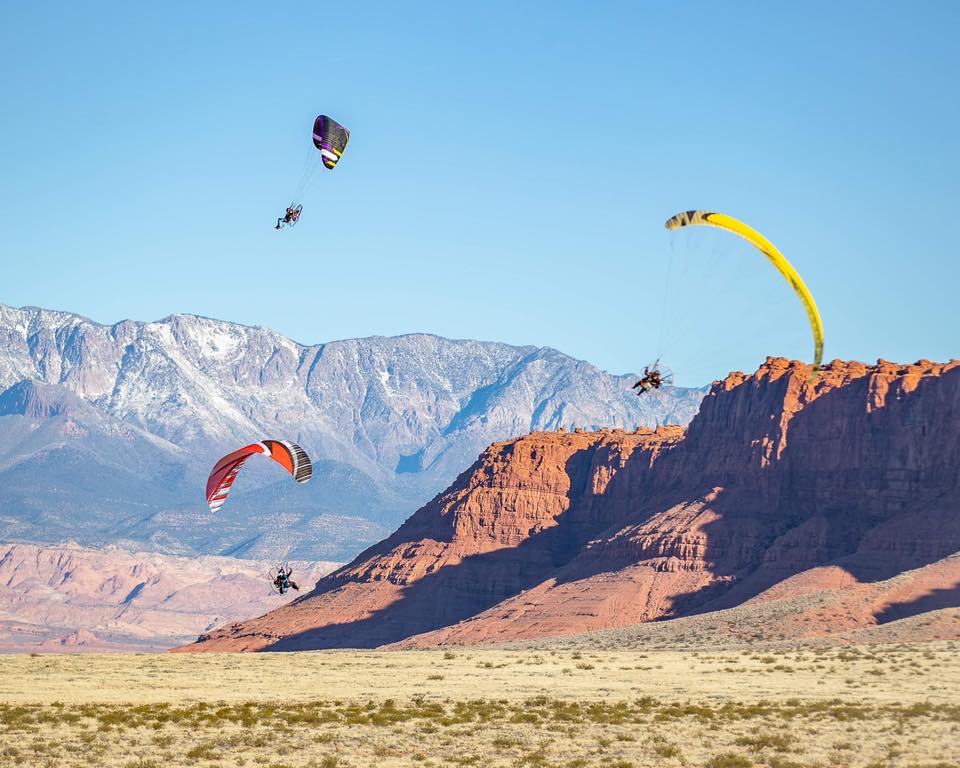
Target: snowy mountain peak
(407, 413)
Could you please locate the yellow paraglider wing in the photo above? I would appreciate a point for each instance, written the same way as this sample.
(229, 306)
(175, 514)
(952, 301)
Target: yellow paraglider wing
(768, 249)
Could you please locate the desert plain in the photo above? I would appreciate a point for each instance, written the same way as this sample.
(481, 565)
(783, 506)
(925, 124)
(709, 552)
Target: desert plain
(860, 706)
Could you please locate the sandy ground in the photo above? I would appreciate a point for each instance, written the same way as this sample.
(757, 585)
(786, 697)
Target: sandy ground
(849, 706)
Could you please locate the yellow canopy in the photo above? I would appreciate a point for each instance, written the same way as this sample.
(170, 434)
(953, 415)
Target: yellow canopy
(768, 249)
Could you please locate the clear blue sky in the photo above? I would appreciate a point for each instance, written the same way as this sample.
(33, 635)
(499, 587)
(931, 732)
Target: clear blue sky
(510, 168)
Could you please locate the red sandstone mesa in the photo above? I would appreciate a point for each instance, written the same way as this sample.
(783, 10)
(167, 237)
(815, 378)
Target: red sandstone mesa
(778, 484)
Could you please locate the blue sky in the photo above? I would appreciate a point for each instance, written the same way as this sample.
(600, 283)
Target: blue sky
(508, 175)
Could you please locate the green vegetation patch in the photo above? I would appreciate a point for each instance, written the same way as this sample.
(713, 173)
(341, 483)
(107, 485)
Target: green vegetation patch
(539, 710)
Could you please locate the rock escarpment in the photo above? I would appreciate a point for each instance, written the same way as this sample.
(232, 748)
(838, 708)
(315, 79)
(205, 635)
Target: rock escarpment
(557, 533)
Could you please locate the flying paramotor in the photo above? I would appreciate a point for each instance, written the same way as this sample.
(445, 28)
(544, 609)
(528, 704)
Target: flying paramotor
(331, 139)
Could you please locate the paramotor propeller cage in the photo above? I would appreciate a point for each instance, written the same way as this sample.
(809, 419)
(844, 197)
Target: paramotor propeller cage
(273, 573)
(654, 377)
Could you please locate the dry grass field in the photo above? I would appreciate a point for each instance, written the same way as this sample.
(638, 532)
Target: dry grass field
(893, 705)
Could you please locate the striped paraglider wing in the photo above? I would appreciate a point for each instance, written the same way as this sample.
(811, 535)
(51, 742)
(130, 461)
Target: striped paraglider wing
(330, 138)
(290, 456)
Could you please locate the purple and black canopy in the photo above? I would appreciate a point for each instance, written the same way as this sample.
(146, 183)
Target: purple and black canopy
(330, 138)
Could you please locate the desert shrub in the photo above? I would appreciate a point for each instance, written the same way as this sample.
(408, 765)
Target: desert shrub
(536, 758)
(665, 749)
(842, 745)
(778, 742)
(202, 751)
(779, 762)
(729, 760)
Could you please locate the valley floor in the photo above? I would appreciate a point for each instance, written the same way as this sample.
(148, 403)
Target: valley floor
(886, 705)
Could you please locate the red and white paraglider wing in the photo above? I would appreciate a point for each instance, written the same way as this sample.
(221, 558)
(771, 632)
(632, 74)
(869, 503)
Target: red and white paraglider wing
(290, 456)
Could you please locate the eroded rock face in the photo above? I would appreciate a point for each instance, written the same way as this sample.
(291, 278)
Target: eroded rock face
(557, 533)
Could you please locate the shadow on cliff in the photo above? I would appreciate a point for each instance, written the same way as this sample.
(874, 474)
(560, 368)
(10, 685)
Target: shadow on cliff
(827, 504)
(838, 479)
(458, 592)
(934, 600)
(819, 503)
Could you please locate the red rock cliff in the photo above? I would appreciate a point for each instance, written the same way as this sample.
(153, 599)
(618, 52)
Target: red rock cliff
(556, 533)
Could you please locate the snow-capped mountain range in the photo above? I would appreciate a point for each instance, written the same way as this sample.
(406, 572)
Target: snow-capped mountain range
(108, 431)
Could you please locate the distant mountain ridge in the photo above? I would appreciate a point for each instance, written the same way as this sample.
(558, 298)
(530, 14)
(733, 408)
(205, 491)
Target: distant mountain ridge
(107, 431)
(73, 599)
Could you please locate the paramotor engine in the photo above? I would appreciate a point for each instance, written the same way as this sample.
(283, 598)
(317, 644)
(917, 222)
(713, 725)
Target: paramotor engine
(280, 581)
(654, 377)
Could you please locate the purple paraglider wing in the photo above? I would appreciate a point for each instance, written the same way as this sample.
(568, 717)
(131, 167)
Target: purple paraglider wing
(330, 138)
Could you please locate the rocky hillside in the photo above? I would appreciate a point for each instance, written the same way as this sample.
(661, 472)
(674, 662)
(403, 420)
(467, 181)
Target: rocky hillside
(824, 606)
(107, 432)
(778, 482)
(71, 599)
